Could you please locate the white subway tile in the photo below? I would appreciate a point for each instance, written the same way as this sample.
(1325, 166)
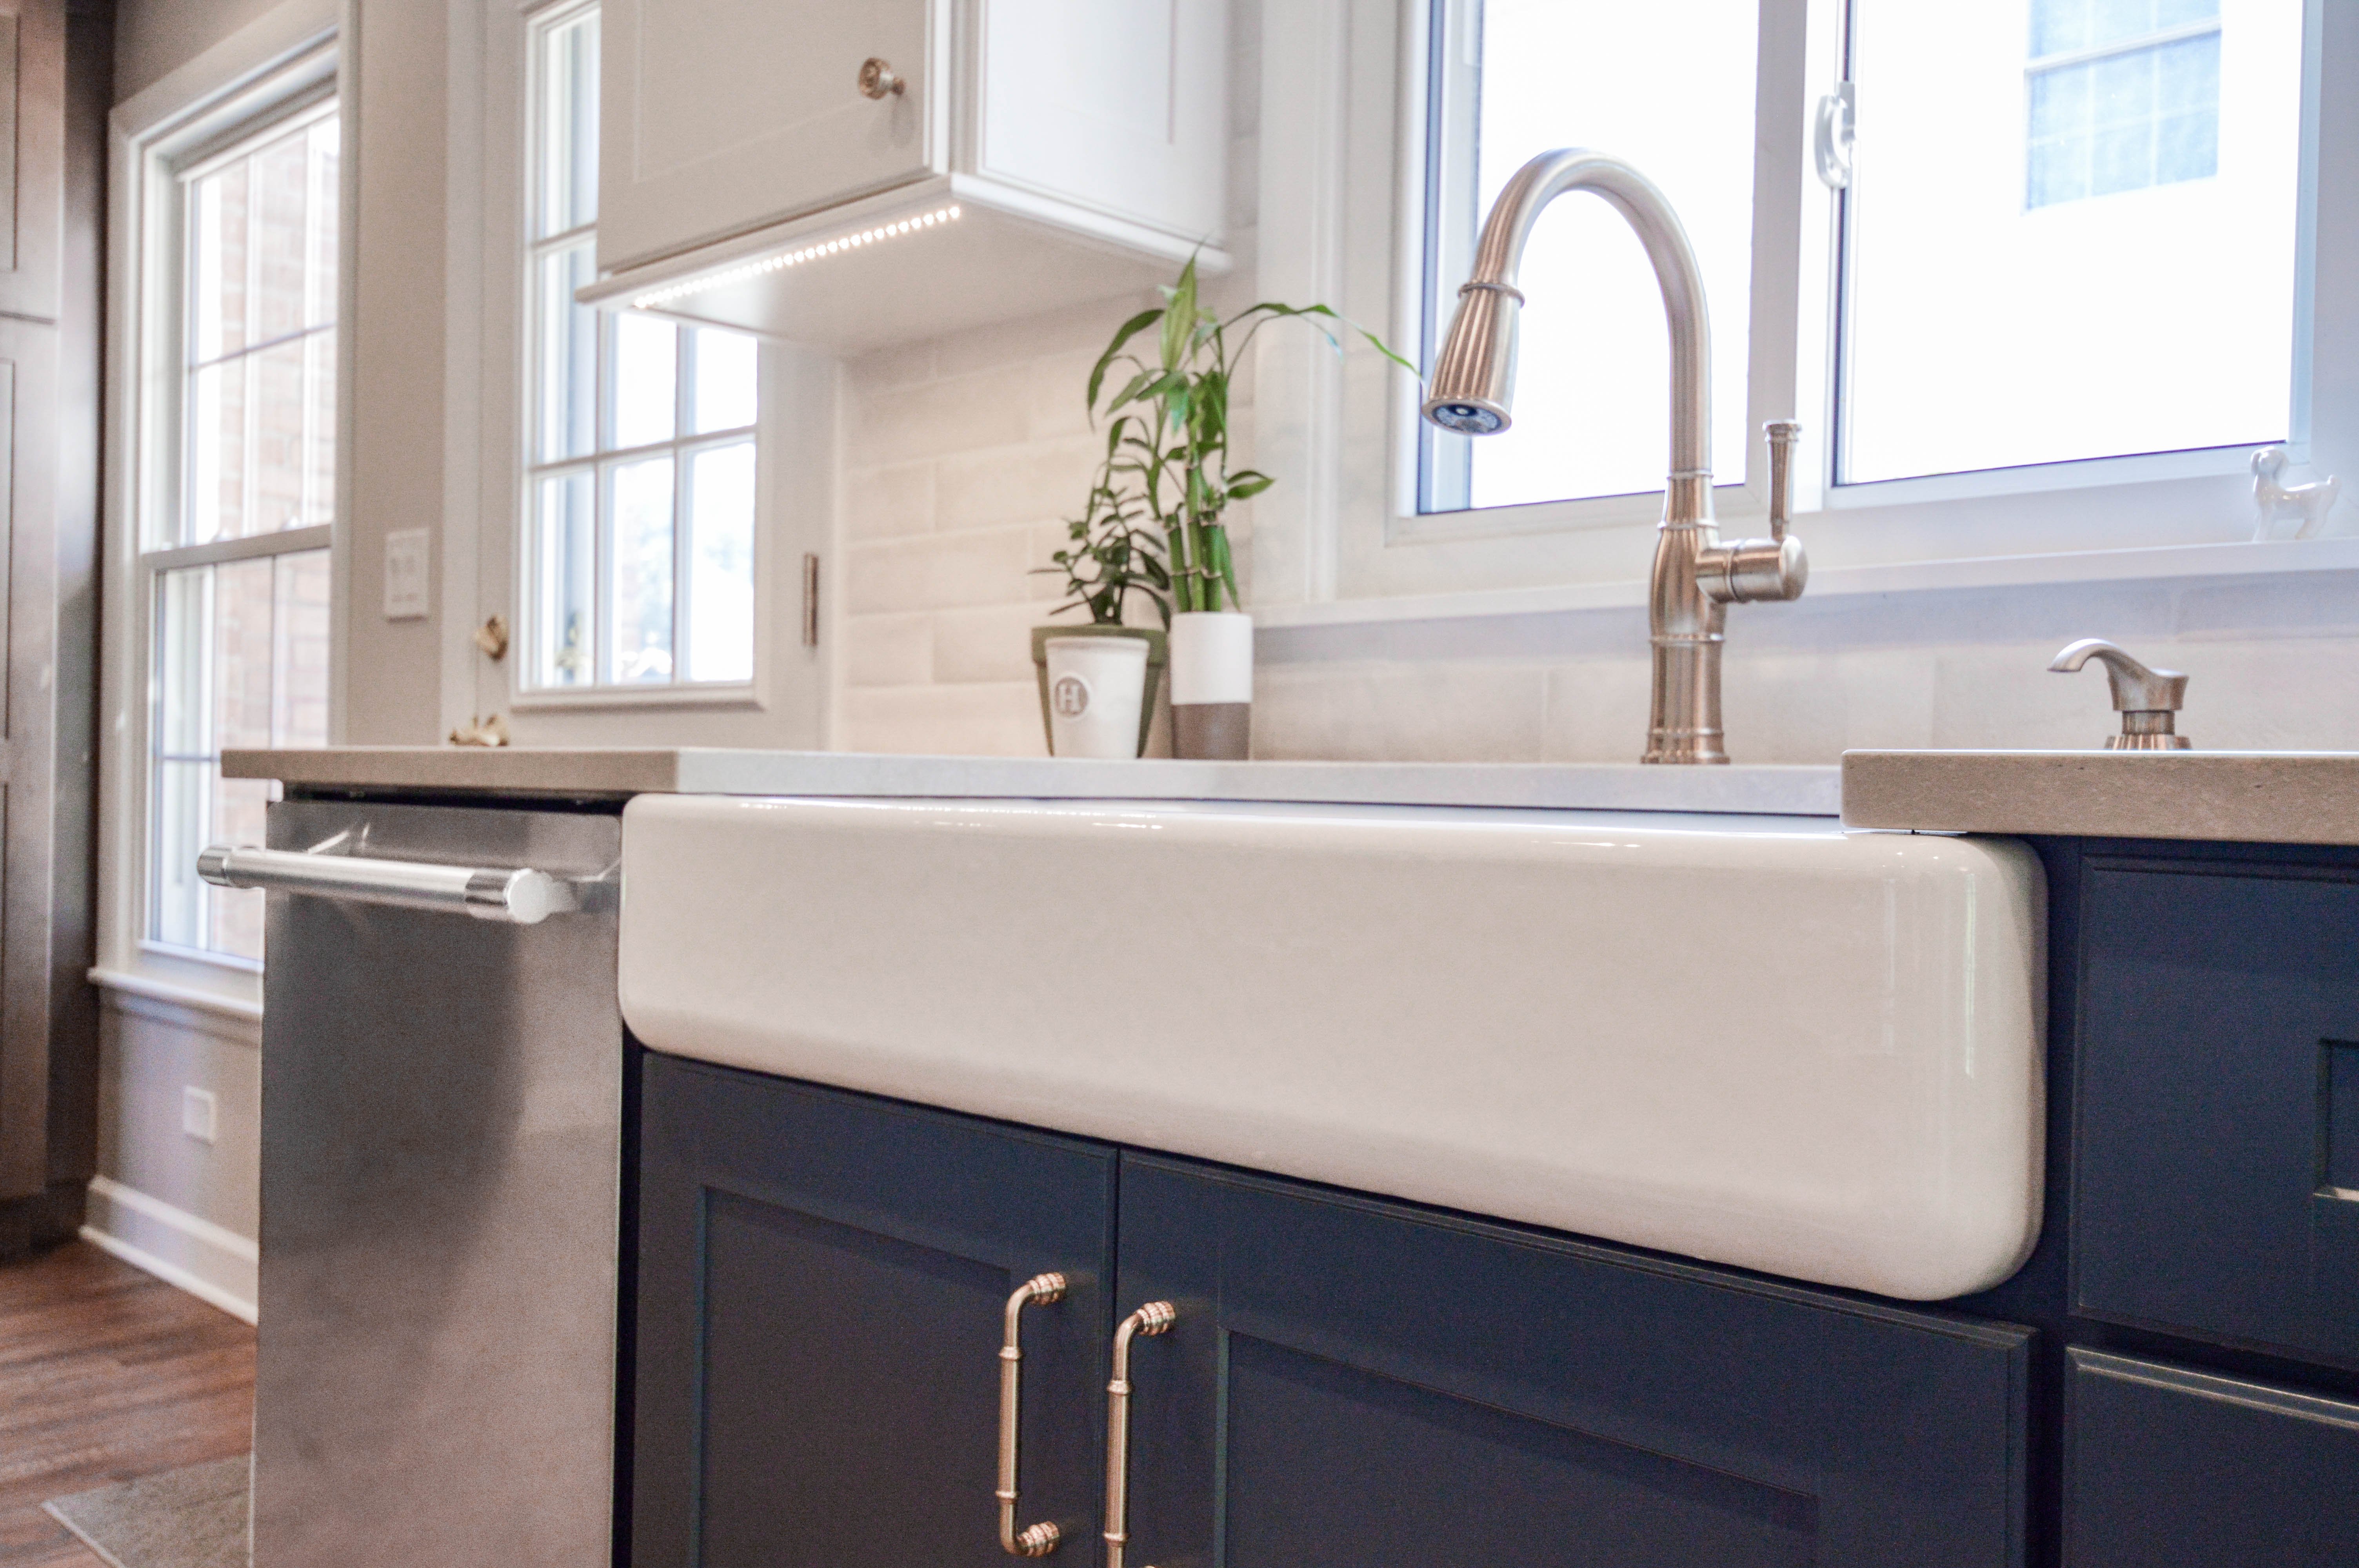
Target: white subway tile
(888, 503)
(979, 566)
(888, 650)
(1032, 483)
(1400, 712)
(904, 364)
(1001, 720)
(959, 415)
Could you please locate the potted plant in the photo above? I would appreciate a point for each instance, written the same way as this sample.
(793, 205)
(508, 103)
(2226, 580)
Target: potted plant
(1111, 555)
(1167, 471)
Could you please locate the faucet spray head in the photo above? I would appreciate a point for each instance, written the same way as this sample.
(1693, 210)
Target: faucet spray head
(1473, 381)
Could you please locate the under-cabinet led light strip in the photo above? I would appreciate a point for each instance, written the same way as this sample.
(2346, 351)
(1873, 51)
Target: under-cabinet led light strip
(785, 259)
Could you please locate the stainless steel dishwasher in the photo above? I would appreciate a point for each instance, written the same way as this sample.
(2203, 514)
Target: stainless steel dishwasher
(442, 1138)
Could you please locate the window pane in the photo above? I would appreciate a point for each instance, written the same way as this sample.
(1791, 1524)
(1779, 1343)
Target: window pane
(258, 415)
(726, 394)
(567, 129)
(242, 660)
(720, 564)
(565, 564)
(2102, 266)
(569, 357)
(647, 380)
(183, 810)
(260, 430)
(643, 556)
(1593, 384)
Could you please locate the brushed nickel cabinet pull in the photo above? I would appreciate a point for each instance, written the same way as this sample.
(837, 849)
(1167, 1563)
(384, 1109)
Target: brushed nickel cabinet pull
(1038, 1539)
(1153, 1318)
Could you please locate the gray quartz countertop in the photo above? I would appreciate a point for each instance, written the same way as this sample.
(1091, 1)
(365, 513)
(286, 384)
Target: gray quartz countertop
(1771, 790)
(2253, 797)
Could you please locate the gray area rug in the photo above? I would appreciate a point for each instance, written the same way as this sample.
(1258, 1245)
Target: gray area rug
(189, 1517)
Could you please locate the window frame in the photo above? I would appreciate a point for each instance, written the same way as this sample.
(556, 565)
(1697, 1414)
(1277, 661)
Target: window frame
(168, 502)
(1332, 545)
(286, 65)
(538, 19)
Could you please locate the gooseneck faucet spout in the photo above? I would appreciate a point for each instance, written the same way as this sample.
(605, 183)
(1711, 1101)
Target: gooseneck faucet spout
(1696, 576)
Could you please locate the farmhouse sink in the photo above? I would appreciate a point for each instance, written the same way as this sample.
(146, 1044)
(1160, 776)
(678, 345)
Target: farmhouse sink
(1761, 1040)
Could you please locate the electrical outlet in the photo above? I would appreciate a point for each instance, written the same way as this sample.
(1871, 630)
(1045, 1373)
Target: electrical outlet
(199, 1114)
(405, 573)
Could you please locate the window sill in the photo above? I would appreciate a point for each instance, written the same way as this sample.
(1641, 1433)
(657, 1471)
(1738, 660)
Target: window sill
(2243, 558)
(598, 698)
(227, 998)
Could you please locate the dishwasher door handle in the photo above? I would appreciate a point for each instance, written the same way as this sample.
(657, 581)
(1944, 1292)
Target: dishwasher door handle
(513, 897)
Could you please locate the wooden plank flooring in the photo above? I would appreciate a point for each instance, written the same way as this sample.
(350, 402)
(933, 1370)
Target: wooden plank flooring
(106, 1374)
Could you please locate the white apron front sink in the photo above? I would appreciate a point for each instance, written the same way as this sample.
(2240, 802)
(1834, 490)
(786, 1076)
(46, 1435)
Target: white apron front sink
(1757, 1040)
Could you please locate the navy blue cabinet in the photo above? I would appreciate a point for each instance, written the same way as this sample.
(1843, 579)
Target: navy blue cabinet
(2217, 1159)
(2168, 1468)
(1349, 1382)
(821, 1283)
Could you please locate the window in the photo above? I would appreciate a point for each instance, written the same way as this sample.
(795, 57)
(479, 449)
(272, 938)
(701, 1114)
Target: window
(234, 559)
(1521, 77)
(2089, 255)
(2069, 232)
(639, 482)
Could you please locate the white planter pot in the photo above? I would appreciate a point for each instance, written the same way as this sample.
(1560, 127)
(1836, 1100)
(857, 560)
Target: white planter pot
(1096, 688)
(1212, 685)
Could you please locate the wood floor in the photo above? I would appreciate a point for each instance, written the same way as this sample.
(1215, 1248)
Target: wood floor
(106, 1374)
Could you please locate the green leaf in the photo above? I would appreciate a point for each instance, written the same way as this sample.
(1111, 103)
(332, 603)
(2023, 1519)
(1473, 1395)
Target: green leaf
(1123, 334)
(1180, 318)
(1246, 483)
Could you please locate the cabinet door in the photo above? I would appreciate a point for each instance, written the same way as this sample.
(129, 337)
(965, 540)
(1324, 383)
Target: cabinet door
(1351, 1384)
(719, 116)
(2165, 1468)
(2216, 1173)
(822, 1278)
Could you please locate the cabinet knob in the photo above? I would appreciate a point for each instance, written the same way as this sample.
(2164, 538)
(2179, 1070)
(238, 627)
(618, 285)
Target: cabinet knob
(877, 80)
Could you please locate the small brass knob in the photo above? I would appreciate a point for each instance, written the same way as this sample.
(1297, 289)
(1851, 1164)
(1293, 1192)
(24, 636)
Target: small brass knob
(877, 80)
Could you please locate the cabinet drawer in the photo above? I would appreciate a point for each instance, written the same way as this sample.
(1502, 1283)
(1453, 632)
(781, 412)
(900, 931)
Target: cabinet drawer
(1351, 1383)
(822, 1280)
(2216, 1165)
(2165, 1468)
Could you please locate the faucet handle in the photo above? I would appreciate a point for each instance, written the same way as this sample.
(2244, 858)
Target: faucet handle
(2148, 699)
(1782, 434)
(1754, 571)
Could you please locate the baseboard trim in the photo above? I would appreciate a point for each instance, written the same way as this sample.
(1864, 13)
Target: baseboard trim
(211, 1262)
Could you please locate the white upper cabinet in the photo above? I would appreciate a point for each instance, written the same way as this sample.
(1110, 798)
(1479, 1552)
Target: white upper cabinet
(718, 116)
(1005, 157)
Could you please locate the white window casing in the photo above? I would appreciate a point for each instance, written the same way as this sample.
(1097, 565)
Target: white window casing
(1344, 164)
(261, 84)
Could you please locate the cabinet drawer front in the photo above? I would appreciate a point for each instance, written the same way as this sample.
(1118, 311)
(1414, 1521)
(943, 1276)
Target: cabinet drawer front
(719, 116)
(822, 1278)
(2165, 1468)
(2219, 1107)
(1351, 1383)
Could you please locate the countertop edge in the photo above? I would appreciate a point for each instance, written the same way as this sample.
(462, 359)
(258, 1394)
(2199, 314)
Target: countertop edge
(2243, 797)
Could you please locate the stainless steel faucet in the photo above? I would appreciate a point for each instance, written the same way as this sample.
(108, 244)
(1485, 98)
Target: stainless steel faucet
(1696, 576)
